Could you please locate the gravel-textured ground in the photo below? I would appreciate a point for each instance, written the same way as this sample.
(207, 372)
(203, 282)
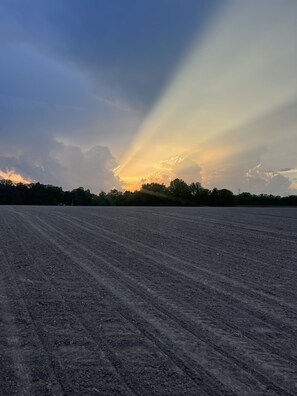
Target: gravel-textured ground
(148, 301)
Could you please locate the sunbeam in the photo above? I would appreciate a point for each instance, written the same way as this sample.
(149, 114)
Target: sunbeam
(243, 69)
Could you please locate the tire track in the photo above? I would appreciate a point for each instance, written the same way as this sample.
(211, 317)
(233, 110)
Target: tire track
(244, 263)
(101, 345)
(269, 347)
(155, 272)
(137, 387)
(114, 238)
(142, 306)
(207, 384)
(23, 372)
(196, 241)
(236, 227)
(240, 363)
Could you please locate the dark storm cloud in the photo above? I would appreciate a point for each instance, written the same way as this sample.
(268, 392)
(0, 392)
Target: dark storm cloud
(132, 45)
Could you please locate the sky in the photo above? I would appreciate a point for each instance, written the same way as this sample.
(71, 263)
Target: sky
(112, 94)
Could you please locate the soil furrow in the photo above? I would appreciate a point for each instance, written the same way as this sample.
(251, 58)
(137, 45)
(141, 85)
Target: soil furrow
(167, 301)
(185, 324)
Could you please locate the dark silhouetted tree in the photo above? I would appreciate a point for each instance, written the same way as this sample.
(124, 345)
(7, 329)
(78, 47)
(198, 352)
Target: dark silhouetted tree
(81, 197)
(154, 194)
(114, 197)
(180, 191)
(200, 195)
(100, 200)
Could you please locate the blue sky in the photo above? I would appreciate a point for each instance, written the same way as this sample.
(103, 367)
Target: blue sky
(81, 80)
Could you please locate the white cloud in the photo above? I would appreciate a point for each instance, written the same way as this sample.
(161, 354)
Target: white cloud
(260, 181)
(172, 168)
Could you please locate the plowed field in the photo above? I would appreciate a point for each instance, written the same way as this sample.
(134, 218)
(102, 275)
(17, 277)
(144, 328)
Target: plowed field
(148, 301)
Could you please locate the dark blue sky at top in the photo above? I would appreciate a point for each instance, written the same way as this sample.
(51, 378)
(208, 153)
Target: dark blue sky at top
(86, 72)
(64, 52)
(132, 46)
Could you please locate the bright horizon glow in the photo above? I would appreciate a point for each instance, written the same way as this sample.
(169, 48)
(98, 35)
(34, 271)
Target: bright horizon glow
(243, 69)
(14, 177)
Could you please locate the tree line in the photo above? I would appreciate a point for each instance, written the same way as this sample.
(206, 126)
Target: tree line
(150, 194)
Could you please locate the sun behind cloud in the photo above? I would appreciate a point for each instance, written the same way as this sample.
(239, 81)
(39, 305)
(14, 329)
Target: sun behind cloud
(212, 110)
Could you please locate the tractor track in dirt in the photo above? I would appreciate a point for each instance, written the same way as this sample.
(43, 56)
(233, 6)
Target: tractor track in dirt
(148, 301)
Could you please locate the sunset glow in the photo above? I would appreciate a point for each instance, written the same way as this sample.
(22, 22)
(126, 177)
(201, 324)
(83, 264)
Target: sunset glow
(231, 78)
(14, 177)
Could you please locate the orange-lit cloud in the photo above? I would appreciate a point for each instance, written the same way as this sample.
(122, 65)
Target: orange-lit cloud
(14, 177)
(167, 170)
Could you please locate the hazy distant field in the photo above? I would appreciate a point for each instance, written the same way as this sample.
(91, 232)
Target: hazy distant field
(148, 301)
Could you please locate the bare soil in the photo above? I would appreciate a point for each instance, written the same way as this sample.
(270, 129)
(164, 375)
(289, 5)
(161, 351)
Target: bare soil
(148, 301)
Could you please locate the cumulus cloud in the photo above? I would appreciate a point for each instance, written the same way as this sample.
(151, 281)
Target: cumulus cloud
(66, 166)
(172, 168)
(49, 124)
(259, 180)
(269, 140)
(92, 168)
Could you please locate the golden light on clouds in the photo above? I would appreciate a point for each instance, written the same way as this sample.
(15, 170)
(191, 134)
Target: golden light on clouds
(14, 177)
(243, 68)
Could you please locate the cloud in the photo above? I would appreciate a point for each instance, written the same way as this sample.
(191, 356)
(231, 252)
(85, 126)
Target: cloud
(51, 123)
(92, 168)
(133, 46)
(14, 177)
(232, 102)
(43, 97)
(260, 181)
(179, 167)
(83, 75)
(207, 101)
(66, 166)
(167, 170)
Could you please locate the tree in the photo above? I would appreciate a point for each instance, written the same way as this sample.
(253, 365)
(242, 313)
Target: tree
(81, 197)
(222, 197)
(153, 194)
(199, 194)
(245, 198)
(154, 187)
(114, 197)
(195, 189)
(226, 197)
(180, 191)
(100, 200)
(129, 198)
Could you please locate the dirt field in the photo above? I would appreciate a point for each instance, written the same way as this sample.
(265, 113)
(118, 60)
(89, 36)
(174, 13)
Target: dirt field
(148, 301)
